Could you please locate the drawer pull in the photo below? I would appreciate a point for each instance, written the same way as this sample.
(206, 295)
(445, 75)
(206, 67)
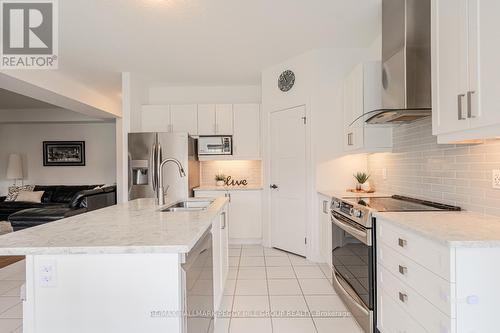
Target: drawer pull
(402, 242)
(403, 270)
(403, 297)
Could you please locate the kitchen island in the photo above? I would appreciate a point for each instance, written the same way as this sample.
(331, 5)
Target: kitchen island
(118, 269)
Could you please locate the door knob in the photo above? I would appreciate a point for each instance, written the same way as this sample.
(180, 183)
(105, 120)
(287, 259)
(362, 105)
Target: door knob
(274, 186)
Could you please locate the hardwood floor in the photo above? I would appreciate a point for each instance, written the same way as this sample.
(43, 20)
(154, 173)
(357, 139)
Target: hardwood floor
(6, 261)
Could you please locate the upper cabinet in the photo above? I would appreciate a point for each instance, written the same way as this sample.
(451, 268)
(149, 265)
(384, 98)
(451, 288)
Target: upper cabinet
(362, 94)
(242, 121)
(246, 139)
(184, 118)
(215, 119)
(465, 71)
(156, 118)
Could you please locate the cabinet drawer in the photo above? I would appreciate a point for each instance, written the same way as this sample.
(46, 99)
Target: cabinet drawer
(433, 256)
(392, 319)
(435, 289)
(415, 305)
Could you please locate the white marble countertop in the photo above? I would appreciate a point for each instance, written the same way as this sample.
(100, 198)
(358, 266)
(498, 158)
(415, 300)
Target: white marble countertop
(137, 226)
(347, 194)
(228, 188)
(453, 229)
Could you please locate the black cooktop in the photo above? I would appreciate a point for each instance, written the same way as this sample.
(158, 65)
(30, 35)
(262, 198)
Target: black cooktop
(398, 203)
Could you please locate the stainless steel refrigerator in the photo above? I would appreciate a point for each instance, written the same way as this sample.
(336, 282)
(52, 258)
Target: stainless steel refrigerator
(142, 165)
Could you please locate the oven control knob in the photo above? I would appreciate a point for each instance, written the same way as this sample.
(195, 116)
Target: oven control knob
(357, 213)
(335, 204)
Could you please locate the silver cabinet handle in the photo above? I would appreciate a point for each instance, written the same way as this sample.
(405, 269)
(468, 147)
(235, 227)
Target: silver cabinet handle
(460, 107)
(325, 206)
(469, 104)
(403, 297)
(403, 270)
(223, 226)
(402, 242)
(350, 141)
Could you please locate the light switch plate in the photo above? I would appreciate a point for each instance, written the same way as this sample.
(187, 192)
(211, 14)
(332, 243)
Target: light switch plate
(384, 173)
(495, 179)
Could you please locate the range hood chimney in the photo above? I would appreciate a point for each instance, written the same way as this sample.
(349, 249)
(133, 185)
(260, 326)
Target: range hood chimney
(406, 59)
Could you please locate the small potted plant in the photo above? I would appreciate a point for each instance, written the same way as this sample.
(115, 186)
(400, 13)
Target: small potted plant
(220, 179)
(361, 178)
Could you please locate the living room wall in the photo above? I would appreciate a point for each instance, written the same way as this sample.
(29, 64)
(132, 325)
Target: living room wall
(26, 139)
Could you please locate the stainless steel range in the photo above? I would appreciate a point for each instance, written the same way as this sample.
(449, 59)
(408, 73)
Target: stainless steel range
(354, 249)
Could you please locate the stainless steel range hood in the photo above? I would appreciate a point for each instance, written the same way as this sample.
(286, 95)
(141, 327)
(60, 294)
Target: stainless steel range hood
(406, 59)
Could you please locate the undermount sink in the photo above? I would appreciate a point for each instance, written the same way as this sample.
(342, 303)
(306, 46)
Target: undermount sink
(188, 206)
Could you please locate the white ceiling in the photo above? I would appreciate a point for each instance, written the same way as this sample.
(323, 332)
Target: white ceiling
(203, 42)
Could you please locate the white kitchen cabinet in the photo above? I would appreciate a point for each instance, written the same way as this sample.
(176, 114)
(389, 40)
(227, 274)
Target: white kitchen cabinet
(215, 119)
(224, 119)
(220, 254)
(426, 286)
(155, 118)
(325, 226)
(465, 70)
(362, 94)
(244, 212)
(206, 119)
(184, 118)
(246, 139)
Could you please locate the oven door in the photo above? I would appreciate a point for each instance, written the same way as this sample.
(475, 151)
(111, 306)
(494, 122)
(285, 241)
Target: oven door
(353, 268)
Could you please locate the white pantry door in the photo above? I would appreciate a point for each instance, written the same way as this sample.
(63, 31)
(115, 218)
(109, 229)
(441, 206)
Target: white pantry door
(288, 180)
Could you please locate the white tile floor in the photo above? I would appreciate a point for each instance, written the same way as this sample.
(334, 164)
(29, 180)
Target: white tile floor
(11, 312)
(271, 291)
(268, 291)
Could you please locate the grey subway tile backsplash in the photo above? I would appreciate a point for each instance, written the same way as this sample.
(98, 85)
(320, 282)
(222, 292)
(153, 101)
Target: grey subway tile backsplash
(454, 174)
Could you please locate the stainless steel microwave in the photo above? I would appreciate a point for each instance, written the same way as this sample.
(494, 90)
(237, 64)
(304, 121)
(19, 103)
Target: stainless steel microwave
(215, 145)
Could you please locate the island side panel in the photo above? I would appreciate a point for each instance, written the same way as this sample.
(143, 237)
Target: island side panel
(103, 293)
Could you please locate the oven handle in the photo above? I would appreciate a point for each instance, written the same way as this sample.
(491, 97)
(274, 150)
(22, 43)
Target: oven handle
(362, 235)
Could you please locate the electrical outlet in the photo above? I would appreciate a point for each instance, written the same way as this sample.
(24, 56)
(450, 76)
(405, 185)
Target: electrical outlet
(48, 274)
(495, 179)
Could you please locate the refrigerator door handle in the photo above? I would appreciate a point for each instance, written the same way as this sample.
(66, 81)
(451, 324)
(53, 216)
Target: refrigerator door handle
(153, 166)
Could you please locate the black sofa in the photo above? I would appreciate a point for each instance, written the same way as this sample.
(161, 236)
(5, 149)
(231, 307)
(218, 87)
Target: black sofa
(57, 202)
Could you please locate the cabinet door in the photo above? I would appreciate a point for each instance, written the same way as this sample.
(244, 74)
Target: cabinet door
(155, 118)
(449, 66)
(326, 230)
(353, 108)
(216, 245)
(224, 119)
(246, 144)
(184, 118)
(484, 71)
(224, 247)
(245, 215)
(206, 119)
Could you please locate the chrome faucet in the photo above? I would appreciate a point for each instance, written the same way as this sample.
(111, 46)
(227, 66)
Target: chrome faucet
(160, 200)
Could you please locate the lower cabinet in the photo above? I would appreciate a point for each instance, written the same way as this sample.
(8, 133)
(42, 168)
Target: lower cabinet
(245, 214)
(427, 286)
(220, 256)
(325, 227)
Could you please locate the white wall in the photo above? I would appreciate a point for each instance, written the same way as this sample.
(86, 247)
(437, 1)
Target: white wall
(203, 94)
(26, 139)
(319, 86)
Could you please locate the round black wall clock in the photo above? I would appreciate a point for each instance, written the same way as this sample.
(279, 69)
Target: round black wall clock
(286, 80)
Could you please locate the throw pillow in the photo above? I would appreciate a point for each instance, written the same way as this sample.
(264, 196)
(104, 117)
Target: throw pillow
(30, 196)
(14, 191)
